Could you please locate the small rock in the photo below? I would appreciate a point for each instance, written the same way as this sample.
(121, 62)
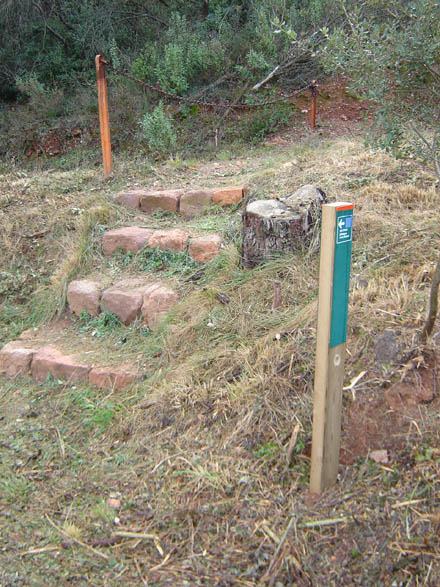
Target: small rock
(361, 284)
(223, 298)
(387, 347)
(113, 502)
(379, 456)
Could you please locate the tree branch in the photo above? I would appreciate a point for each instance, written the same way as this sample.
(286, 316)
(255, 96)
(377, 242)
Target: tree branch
(433, 305)
(48, 27)
(432, 69)
(266, 79)
(146, 15)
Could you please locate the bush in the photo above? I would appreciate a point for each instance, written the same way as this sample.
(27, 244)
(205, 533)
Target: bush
(189, 55)
(267, 120)
(392, 58)
(43, 102)
(391, 51)
(158, 132)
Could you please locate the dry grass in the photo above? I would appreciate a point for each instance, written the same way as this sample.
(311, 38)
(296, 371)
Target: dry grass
(209, 455)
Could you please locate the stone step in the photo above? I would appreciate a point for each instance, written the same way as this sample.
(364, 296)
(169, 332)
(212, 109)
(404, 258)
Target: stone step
(24, 357)
(129, 299)
(135, 238)
(187, 202)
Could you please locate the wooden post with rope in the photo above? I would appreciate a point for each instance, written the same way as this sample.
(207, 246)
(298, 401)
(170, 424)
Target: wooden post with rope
(104, 119)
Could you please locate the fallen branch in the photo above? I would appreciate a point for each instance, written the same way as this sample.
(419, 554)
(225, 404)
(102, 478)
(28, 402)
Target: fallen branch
(208, 88)
(141, 536)
(354, 381)
(327, 522)
(409, 548)
(276, 296)
(83, 544)
(402, 504)
(40, 550)
(266, 79)
(292, 444)
(123, 534)
(138, 569)
(279, 547)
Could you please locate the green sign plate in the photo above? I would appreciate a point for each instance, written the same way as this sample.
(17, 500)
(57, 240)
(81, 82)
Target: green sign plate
(344, 224)
(341, 275)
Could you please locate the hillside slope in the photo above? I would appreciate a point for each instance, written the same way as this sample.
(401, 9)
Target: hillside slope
(198, 473)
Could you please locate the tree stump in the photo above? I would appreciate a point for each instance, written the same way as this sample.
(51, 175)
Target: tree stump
(271, 227)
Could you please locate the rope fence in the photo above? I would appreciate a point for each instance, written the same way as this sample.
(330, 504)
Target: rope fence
(101, 64)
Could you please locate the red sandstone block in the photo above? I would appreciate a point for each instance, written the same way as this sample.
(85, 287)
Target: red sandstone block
(83, 294)
(172, 240)
(157, 302)
(108, 377)
(125, 299)
(15, 358)
(129, 198)
(194, 202)
(205, 248)
(129, 238)
(167, 200)
(49, 360)
(228, 196)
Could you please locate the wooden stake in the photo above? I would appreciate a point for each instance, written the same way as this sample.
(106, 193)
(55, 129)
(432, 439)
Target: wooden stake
(314, 88)
(334, 276)
(104, 120)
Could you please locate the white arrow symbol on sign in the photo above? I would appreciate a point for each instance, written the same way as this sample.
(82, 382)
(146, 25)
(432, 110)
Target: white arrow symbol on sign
(341, 223)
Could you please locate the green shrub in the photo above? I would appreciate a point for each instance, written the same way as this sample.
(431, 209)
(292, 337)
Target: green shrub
(154, 260)
(267, 120)
(100, 326)
(157, 130)
(171, 71)
(43, 102)
(189, 55)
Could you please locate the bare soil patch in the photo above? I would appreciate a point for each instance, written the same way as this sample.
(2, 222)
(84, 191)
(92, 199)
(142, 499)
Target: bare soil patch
(386, 419)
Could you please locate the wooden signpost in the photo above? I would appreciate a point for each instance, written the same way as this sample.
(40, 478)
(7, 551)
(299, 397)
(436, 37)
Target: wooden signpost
(334, 277)
(104, 119)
